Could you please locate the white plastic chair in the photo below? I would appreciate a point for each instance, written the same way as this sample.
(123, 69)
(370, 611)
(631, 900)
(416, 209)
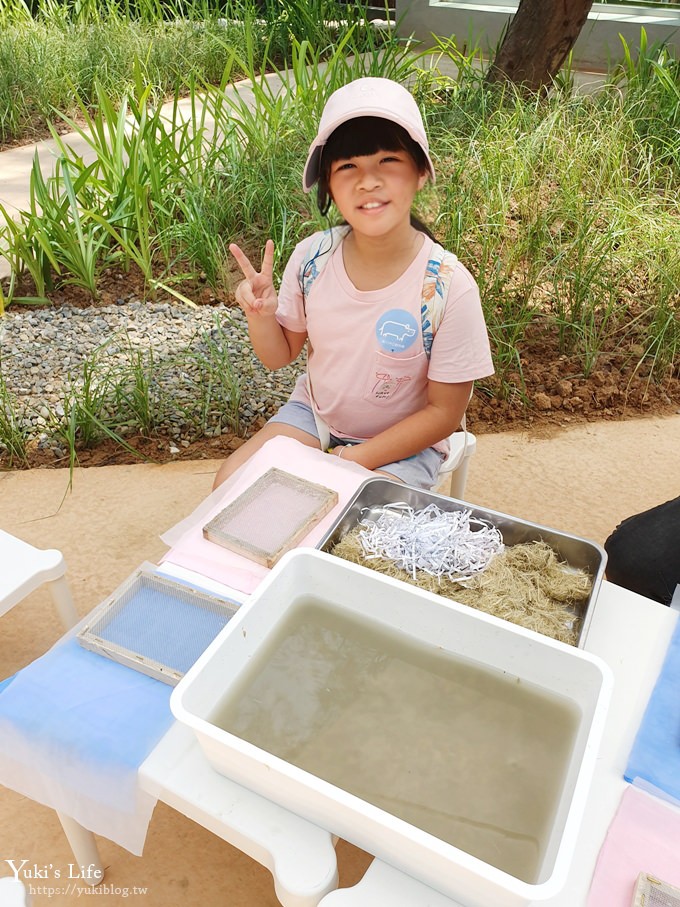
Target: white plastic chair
(24, 568)
(13, 893)
(454, 470)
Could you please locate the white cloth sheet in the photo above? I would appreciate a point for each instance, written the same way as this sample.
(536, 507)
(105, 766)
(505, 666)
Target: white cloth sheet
(75, 727)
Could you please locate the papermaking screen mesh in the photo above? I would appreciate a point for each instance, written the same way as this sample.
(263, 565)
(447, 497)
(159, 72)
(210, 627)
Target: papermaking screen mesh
(657, 898)
(652, 892)
(271, 514)
(162, 624)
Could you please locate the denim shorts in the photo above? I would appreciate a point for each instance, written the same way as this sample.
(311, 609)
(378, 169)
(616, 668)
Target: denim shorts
(421, 470)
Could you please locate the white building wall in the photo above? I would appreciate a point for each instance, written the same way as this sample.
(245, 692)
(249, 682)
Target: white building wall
(483, 24)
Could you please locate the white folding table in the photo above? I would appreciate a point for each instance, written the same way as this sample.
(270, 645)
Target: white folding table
(629, 632)
(299, 855)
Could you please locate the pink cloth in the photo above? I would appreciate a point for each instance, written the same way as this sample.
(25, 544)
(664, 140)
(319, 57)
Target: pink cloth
(644, 837)
(366, 356)
(190, 550)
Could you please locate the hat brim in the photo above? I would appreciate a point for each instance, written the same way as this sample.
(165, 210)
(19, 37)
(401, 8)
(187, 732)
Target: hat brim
(312, 169)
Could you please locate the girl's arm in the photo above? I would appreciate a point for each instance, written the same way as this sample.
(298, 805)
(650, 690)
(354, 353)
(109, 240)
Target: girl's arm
(442, 414)
(274, 345)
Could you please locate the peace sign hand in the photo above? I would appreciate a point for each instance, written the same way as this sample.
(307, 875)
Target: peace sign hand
(256, 294)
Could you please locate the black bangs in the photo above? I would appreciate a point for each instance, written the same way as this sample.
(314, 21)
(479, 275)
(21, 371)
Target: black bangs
(362, 136)
(366, 135)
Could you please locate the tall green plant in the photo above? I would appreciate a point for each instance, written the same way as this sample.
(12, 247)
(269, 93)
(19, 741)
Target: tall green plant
(219, 381)
(14, 435)
(79, 245)
(650, 95)
(141, 162)
(138, 398)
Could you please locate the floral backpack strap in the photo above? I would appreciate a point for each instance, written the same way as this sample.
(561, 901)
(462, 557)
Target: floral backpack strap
(438, 274)
(319, 253)
(317, 256)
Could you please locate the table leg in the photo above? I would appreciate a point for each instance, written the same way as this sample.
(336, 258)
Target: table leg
(84, 849)
(63, 602)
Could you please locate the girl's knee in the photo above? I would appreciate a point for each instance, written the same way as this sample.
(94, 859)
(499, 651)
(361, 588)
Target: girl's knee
(267, 433)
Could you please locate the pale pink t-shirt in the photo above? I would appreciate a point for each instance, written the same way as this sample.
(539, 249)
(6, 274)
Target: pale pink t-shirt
(366, 359)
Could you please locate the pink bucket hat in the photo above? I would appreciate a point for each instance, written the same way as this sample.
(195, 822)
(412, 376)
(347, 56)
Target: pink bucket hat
(368, 97)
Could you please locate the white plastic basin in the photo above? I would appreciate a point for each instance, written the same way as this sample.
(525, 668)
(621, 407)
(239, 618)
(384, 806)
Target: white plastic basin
(389, 738)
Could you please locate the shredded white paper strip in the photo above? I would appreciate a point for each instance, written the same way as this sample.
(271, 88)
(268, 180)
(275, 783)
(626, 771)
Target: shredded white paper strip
(441, 543)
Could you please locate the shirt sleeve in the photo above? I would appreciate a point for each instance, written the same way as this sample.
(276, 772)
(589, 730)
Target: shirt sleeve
(460, 349)
(290, 313)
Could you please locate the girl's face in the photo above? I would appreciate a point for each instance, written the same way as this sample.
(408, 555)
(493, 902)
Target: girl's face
(375, 192)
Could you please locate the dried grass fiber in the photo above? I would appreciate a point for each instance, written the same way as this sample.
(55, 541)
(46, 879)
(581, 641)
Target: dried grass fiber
(525, 584)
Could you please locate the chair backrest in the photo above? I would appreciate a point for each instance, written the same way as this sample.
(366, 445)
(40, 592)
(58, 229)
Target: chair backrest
(454, 470)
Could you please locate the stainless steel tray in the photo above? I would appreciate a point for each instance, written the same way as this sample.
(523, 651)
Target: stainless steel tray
(374, 494)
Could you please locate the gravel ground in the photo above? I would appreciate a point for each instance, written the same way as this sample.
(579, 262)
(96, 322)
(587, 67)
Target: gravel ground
(46, 357)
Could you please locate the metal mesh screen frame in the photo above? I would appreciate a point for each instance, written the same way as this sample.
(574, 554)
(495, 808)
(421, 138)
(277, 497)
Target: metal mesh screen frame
(164, 641)
(274, 529)
(652, 892)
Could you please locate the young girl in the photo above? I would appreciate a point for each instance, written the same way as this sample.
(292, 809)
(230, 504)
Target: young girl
(379, 389)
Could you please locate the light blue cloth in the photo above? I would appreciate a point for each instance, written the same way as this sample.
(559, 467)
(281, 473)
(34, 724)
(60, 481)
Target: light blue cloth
(75, 728)
(654, 761)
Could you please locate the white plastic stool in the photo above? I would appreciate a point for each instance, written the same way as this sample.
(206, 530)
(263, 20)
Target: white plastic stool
(382, 884)
(13, 893)
(24, 568)
(462, 446)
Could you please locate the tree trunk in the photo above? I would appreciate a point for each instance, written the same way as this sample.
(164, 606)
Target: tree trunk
(538, 39)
